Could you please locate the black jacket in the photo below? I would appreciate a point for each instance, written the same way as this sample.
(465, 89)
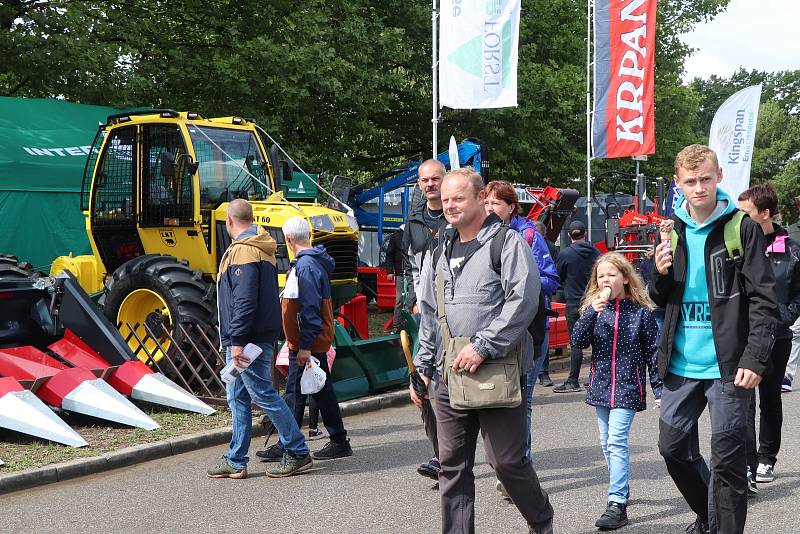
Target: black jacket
(417, 243)
(574, 266)
(786, 267)
(742, 299)
(396, 262)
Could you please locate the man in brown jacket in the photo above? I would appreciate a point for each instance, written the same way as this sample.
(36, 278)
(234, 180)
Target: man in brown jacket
(308, 324)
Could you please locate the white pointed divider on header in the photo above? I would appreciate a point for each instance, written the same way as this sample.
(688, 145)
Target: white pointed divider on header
(158, 389)
(478, 45)
(98, 399)
(22, 411)
(733, 132)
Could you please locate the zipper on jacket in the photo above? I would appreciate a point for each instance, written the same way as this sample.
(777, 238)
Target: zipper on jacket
(614, 353)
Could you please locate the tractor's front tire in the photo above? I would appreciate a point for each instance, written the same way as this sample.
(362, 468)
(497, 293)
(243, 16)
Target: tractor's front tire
(163, 293)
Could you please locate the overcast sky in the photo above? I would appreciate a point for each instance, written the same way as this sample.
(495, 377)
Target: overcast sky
(754, 34)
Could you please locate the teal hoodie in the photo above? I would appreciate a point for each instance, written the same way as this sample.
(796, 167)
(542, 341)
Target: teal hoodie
(694, 354)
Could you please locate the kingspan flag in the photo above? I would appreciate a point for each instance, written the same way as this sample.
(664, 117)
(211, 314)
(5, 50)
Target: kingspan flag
(623, 122)
(733, 132)
(478, 53)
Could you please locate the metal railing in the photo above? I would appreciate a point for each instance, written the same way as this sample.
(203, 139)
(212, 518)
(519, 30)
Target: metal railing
(192, 360)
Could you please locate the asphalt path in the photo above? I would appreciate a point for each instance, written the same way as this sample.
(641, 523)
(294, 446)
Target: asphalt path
(378, 490)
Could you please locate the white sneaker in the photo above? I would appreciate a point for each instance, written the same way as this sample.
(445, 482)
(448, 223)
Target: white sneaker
(315, 434)
(765, 473)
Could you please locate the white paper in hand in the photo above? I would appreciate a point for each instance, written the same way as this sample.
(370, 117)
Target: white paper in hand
(313, 379)
(231, 371)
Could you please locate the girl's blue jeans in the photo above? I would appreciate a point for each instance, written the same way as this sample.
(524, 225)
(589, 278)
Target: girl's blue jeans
(614, 425)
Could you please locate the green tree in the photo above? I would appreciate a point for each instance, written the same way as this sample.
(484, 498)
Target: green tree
(345, 85)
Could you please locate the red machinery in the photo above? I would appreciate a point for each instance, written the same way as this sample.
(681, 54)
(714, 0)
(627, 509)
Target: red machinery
(634, 232)
(552, 206)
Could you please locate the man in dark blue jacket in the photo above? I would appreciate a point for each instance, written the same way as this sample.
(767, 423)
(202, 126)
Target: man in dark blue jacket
(574, 268)
(308, 323)
(249, 312)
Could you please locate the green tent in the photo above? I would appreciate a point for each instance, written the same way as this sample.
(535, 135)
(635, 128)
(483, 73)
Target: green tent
(43, 149)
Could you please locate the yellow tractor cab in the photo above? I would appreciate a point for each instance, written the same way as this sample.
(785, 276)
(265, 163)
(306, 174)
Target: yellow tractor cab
(155, 193)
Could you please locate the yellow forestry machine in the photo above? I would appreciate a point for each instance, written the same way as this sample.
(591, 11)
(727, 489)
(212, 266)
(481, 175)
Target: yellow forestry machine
(155, 191)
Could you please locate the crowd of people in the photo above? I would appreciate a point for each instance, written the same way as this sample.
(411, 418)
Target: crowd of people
(711, 322)
(709, 318)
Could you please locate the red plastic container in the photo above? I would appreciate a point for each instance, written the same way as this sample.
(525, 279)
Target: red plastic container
(386, 292)
(559, 334)
(356, 311)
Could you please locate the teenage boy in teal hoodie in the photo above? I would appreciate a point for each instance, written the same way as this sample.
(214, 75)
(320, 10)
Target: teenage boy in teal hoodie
(718, 334)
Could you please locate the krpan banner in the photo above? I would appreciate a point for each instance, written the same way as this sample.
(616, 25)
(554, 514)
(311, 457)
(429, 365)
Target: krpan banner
(623, 122)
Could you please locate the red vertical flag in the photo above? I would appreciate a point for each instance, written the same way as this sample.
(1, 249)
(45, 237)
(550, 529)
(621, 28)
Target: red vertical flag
(623, 122)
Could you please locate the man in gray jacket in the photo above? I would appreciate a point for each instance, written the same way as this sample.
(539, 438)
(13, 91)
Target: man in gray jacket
(494, 310)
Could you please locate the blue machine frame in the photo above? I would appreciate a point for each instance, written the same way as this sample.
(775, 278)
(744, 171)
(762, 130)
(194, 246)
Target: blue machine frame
(470, 152)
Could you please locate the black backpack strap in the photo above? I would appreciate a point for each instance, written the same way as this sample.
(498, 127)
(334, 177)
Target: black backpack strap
(496, 247)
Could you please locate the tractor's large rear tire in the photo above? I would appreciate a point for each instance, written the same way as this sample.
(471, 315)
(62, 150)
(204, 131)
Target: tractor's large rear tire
(164, 293)
(11, 267)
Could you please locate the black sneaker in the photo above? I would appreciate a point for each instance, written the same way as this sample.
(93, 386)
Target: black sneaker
(430, 469)
(273, 453)
(333, 450)
(567, 387)
(545, 381)
(752, 487)
(542, 528)
(615, 516)
(698, 527)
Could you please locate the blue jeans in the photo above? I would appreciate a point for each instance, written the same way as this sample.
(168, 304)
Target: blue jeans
(254, 385)
(614, 425)
(531, 379)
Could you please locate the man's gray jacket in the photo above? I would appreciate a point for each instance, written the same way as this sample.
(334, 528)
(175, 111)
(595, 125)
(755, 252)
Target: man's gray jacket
(493, 310)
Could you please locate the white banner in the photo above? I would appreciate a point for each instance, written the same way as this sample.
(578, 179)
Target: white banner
(478, 53)
(733, 132)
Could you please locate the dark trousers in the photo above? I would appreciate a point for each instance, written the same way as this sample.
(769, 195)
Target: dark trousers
(399, 301)
(313, 413)
(771, 408)
(576, 354)
(718, 495)
(326, 398)
(505, 440)
(545, 370)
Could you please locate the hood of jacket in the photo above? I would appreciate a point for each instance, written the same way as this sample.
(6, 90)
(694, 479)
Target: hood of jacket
(520, 224)
(321, 256)
(256, 237)
(584, 249)
(725, 205)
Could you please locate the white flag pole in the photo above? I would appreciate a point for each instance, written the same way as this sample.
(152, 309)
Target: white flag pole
(589, 119)
(435, 69)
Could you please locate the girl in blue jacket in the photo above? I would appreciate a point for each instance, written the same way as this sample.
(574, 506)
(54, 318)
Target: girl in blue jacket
(617, 321)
